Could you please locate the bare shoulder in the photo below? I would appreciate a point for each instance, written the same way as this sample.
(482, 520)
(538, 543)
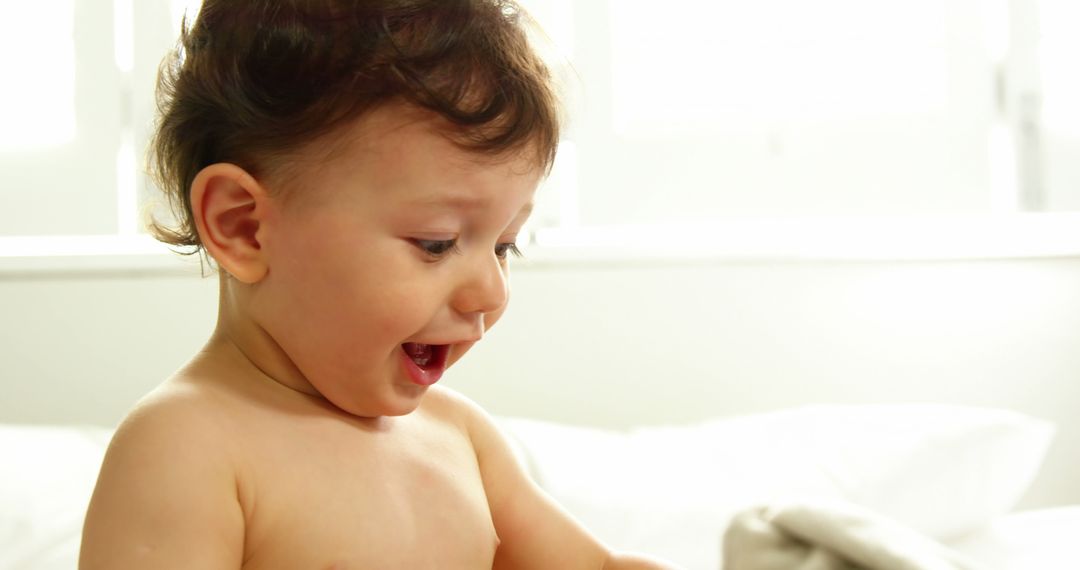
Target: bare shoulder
(450, 406)
(167, 493)
(183, 414)
(176, 423)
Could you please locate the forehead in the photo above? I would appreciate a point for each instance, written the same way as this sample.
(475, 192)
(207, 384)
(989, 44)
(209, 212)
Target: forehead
(392, 174)
(397, 140)
(397, 165)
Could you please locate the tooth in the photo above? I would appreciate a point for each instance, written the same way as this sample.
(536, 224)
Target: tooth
(420, 353)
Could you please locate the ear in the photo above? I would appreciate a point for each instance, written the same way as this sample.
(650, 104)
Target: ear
(229, 205)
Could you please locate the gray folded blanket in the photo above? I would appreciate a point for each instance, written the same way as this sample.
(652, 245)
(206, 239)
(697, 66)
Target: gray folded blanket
(830, 535)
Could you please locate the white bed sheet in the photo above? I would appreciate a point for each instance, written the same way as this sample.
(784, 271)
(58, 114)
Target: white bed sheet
(1041, 539)
(47, 474)
(1035, 540)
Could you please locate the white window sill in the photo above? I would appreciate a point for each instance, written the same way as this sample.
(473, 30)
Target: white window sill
(906, 238)
(1013, 236)
(106, 254)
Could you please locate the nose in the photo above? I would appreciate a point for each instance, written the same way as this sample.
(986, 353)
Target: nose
(483, 288)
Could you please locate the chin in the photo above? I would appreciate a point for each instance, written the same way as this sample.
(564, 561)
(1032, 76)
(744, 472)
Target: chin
(401, 410)
(401, 401)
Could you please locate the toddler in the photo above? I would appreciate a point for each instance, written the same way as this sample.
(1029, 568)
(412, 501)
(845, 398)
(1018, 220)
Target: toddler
(359, 171)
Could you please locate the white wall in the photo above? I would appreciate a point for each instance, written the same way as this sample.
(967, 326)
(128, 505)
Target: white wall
(627, 344)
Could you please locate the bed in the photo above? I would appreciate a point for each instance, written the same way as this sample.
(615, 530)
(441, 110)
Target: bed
(949, 475)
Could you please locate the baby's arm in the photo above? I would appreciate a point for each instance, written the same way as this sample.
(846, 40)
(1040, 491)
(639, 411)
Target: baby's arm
(166, 497)
(534, 532)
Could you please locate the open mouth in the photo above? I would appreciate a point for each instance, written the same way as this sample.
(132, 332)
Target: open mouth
(429, 361)
(424, 355)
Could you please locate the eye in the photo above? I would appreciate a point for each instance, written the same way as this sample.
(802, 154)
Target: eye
(436, 248)
(509, 247)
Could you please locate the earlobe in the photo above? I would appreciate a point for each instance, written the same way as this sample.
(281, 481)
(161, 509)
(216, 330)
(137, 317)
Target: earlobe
(228, 205)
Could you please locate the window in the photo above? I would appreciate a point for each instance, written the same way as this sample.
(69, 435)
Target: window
(752, 123)
(61, 117)
(1058, 98)
(71, 147)
(42, 114)
(781, 107)
(738, 120)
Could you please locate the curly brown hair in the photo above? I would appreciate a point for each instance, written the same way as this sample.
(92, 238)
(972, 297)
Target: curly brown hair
(252, 80)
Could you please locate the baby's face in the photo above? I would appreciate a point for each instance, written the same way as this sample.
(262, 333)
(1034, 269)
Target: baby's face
(388, 260)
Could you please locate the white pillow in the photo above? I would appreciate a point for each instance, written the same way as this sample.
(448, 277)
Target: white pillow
(1041, 538)
(943, 470)
(47, 475)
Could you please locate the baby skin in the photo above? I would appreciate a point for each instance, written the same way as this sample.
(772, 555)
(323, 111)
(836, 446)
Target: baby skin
(309, 432)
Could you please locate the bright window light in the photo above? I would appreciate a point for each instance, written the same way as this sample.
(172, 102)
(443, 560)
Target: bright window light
(1004, 194)
(178, 9)
(695, 63)
(124, 34)
(37, 54)
(995, 15)
(556, 21)
(1057, 60)
(126, 198)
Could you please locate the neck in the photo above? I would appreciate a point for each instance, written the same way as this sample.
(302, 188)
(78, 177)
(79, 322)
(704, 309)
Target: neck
(239, 337)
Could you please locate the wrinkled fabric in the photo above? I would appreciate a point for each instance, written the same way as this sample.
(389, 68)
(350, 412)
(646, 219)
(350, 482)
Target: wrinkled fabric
(830, 535)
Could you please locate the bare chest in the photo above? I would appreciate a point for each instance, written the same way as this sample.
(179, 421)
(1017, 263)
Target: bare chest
(366, 501)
